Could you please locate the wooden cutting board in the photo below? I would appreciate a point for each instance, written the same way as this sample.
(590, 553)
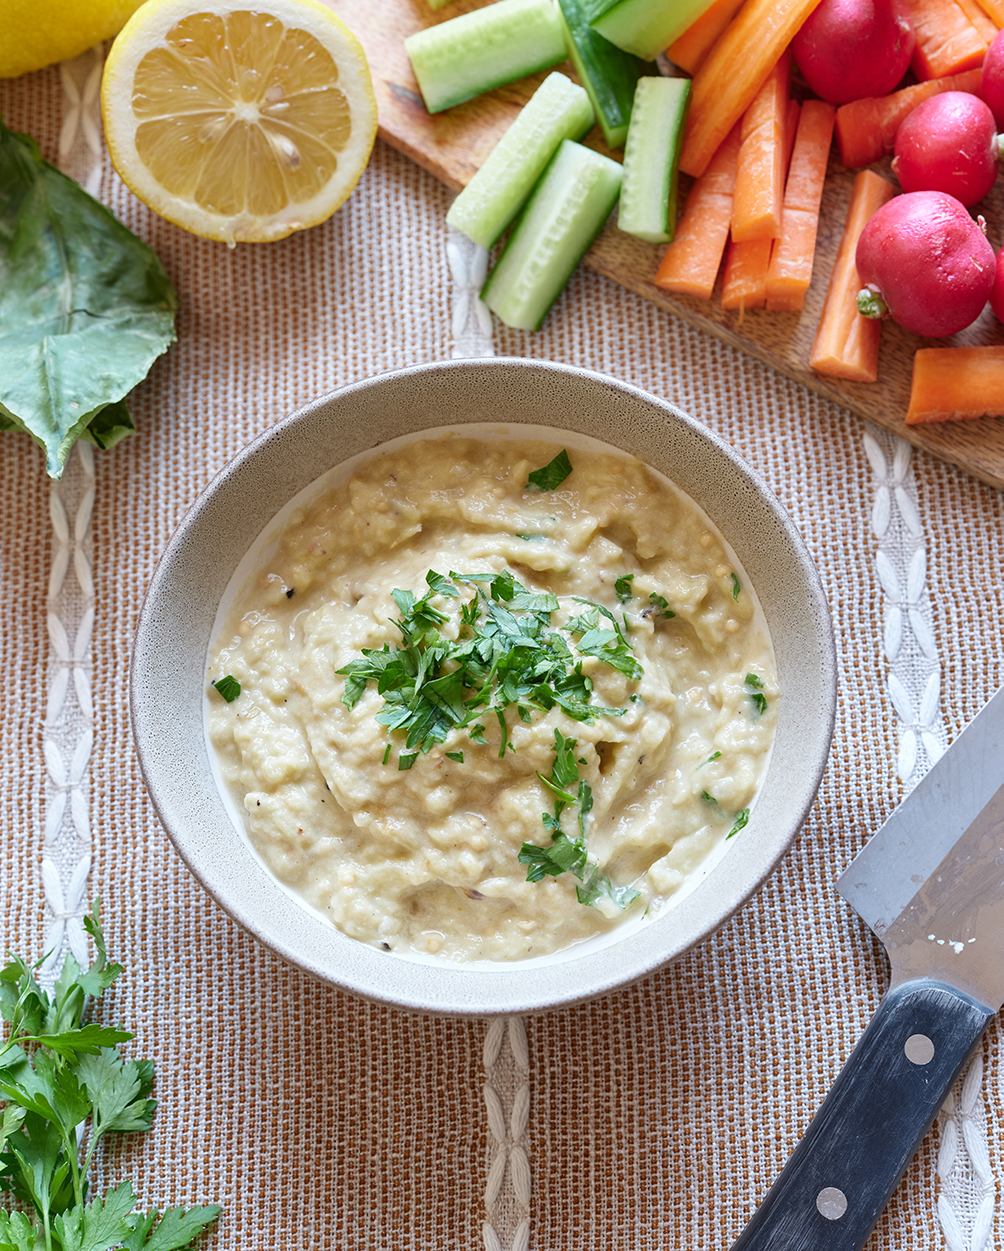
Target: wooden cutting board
(453, 144)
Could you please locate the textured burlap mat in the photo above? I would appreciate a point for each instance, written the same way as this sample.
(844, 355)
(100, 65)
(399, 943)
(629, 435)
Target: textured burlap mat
(656, 1116)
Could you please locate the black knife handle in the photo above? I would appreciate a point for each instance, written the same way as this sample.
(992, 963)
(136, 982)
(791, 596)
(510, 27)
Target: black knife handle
(857, 1146)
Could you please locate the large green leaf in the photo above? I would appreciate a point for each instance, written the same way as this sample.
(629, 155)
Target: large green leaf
(85, 308)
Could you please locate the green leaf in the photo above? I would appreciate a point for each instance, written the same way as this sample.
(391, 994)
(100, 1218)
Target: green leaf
(622, 587)
(118, 1088)
(85, 307)
(662, 604)
(228, 687)
(756, 694)
(552, 475)
(86, 1040)
(740, 822)
(17, 1233)
(564, 855)
(176, 1228)
(440, 585)
(98, 1225)
(35, 1168)
(10, 1123)
(597, 888)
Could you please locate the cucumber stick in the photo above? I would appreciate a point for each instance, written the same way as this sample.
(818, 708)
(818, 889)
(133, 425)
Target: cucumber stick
(467, 55)
(608, 73)
(652, 158)
(644, 27)
(565, 213)
(558, 109)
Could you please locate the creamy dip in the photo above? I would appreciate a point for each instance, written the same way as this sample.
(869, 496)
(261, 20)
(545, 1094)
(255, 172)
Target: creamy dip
(427, 848)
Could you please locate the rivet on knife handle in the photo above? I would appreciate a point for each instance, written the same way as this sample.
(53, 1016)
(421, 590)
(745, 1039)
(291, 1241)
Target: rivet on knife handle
(840, 1176)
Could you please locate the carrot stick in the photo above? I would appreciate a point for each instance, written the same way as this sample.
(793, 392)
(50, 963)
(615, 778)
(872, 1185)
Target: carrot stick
(734, 71)
(744, 283)
(759, 194)
(847, 344)
(791, 262)
(994, 9)
(747, 263)
(790, 130)
(866, 129)
(980, 18)
(690, 49)
(947, 40)
(690, 263)
(956, 384)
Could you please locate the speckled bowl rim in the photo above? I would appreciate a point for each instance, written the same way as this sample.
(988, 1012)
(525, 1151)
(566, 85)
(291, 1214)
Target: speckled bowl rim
(168, 665)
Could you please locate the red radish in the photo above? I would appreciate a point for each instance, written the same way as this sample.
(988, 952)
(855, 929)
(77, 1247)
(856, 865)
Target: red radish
(924, 261)
(948, 143)
(992, 88)
(849, 49)
(997, 291)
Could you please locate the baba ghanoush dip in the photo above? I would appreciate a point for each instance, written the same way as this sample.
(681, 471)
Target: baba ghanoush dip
(487, 698)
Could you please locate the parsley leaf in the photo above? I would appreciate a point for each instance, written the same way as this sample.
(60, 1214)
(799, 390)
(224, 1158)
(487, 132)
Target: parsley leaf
(64, 1086)
(736, 588)
(622, 587)
(756, 694)
(505, 653)
(661, 602)
(552, 475)
(739, 822)
(228, 687)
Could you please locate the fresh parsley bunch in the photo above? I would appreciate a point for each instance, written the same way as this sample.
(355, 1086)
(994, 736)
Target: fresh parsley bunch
(64, 1086)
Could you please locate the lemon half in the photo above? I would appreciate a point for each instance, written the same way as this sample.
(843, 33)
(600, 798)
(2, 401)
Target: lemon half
(36, 33)
(239, 124)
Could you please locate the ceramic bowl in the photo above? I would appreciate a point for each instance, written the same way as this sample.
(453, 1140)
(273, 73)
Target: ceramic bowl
(191, 581)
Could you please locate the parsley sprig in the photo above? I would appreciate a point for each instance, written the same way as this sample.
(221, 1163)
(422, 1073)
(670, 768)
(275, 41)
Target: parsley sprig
(570, 854)
(507, 654)
(502, 651)
(64, 1086)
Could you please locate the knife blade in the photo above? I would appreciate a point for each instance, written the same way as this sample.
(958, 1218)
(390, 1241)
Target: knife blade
(930, 883)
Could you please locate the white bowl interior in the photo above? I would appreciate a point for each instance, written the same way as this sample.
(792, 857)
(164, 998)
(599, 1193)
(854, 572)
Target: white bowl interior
(192, 579)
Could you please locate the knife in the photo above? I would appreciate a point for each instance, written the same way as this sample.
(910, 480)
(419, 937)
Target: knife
(930, 883)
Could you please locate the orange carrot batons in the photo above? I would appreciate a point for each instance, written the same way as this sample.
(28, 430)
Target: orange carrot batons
(792, 259)
(690, 264)
(847, 344)
(744, 282)
(947, 40)
(994, 9)
(866, 129)
(956, 384)
(734, 71)
(756, 212)
(690, 49)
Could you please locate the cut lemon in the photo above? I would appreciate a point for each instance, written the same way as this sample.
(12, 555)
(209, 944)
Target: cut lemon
(235, 123)
(35, 33)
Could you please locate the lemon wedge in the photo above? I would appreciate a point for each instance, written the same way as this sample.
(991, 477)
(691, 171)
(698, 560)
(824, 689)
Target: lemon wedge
(235, 123)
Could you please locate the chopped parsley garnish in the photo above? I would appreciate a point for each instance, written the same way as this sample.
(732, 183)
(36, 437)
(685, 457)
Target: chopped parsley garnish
(622, 587)
(569, 854)
(756, 694)
(739, 823)
(228, 687)
(552, 475)
(736, 588)
(506, 654)
(661, 602)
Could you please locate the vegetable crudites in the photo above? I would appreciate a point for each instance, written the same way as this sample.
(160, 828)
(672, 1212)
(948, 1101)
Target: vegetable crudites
(494, 697)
